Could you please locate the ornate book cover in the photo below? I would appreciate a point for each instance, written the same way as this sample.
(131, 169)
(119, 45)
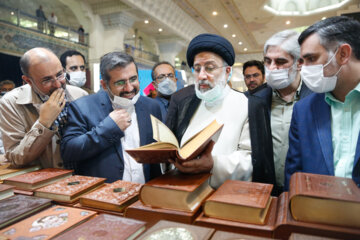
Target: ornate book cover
(324, 199)
(37, 179)
(240, 201)
(177, 231)
(69, 189)
(19, 206)
(114, 196)
(105, 227)
(47, 224)
(184, 192)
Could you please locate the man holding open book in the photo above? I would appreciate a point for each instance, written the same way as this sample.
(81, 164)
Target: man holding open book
(194, 107)
(103, 125)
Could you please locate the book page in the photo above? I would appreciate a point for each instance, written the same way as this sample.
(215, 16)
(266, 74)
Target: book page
(162, 133)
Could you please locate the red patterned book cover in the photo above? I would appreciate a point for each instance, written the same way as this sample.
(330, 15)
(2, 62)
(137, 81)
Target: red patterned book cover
(37, 179)
(69, 189)
(105, 227)
(114, 196)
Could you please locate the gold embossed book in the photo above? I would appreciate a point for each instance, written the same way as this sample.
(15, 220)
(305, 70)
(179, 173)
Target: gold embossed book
(167, 146)
(115, 196)
(69, 189)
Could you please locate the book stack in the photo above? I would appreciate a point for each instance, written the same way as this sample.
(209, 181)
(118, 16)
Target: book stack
(241, 207)
(173, 196)
(106, 227)
(174, 230)
(36, 179)
(112, 197)
(69, 190)
(319, 205)
(47, 224)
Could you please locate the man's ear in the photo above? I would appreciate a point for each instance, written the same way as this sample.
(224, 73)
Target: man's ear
(344, 54)
(103, 84)
(26, 79)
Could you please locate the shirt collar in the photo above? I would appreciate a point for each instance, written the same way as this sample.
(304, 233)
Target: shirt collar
(297, 94)
(28, 96)
(329, 98)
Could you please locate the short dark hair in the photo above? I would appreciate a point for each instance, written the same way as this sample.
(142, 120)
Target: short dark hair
(158, 64)
(113, 60)
(70, 53)
(256, 63)
(335, 31)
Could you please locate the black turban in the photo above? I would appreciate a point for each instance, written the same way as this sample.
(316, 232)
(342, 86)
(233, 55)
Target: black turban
(210, 43)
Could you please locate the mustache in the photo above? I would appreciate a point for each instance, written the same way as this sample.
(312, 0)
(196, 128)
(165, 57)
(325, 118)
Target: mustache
(63, 86)
(134, 91)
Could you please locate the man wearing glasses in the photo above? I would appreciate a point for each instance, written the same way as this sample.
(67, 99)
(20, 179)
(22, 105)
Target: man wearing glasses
(192, 108)
(164, 80)
(102, 126)
(33, 115)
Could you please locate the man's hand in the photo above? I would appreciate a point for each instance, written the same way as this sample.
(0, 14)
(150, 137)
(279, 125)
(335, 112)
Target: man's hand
(51, 109)
(202, 164)
(121, 117)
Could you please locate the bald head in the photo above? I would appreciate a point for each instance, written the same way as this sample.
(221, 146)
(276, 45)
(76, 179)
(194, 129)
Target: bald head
(35, 56)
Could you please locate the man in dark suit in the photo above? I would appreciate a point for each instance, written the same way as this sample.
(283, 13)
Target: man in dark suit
(282, 64)
(254, 76)
(102, 126)
(324, 132)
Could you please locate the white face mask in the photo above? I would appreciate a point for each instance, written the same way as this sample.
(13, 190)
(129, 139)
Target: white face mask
(280, 78)
(124, 103)
(167, 87)
(313, 77)
(77, 78)
(215, 93)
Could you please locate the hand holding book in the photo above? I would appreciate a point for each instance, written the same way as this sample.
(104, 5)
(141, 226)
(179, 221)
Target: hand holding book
(203, 163)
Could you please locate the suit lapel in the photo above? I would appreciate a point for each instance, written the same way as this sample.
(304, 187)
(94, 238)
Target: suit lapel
(321, 111)
(357, 152)
(142, 116)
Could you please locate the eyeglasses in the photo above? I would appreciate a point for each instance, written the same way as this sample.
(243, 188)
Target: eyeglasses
(162, 77)
(122, 83)
(249, 76)
(49, 81)
(209, 68)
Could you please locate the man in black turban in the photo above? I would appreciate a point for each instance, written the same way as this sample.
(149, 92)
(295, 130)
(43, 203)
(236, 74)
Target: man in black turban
(194, 107)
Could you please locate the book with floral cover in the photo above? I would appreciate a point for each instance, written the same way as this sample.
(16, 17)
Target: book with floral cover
(114, 196)
(47, 224)
(69, 189)
(6, 191)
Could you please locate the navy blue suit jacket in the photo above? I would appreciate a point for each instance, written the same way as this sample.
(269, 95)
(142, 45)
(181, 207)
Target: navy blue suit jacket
(91, 142)
(310, 140)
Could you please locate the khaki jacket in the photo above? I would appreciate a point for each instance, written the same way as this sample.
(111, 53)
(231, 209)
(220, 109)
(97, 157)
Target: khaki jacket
(26, 141)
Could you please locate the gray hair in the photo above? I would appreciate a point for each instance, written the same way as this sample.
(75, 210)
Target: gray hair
(113, 60)
(287, 40)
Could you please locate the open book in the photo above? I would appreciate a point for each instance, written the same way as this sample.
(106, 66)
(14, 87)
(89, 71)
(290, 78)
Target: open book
(167, 146)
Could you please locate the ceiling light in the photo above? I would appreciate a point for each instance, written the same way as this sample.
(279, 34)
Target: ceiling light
(225, 25)
(146, 21)
(234, 35)
(323, 18)
(12, 13)
(160, 29)
(240, 43)
(214, 13)
(245, 49)
(133, 35)
(287, 22)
